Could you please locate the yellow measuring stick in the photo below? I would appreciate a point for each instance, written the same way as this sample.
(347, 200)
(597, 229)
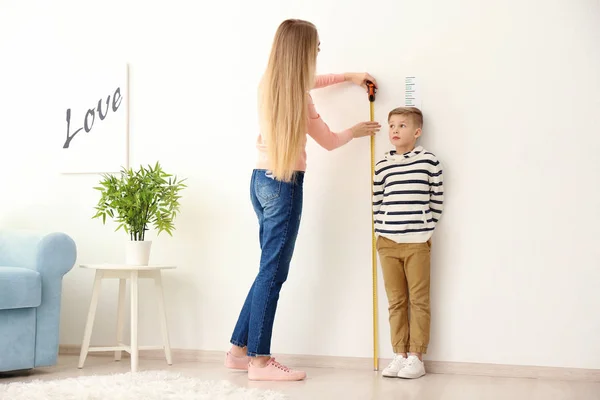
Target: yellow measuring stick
(371, 89)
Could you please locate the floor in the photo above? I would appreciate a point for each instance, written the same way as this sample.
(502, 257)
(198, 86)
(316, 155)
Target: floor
(333, 384)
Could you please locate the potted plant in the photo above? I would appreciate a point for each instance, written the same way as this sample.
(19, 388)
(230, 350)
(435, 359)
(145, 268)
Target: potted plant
(136, 200)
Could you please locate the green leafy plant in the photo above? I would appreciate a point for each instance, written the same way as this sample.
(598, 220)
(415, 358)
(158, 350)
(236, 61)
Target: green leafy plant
(139, 198)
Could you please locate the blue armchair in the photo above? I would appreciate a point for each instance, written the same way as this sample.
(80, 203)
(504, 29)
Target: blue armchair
(32, 267)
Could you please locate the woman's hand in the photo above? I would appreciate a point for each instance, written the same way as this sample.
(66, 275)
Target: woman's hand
(368, 128)
(359, 78)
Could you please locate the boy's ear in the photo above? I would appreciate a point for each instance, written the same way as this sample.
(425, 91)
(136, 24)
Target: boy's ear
(418, 133)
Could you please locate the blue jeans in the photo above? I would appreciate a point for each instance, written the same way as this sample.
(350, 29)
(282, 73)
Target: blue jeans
(278, 206)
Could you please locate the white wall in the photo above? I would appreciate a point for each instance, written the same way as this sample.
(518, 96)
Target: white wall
(511, 93)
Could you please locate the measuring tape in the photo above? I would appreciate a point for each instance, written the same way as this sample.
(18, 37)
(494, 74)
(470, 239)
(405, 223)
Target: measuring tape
(371, 90)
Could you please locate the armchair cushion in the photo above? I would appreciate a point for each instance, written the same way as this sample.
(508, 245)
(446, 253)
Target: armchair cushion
(19, 288)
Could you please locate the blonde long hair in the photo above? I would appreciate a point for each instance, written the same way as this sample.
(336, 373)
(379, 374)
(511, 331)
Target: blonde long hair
(290, 74)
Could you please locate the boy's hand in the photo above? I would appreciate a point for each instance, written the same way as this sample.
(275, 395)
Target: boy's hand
(368, 128)
(360, 78)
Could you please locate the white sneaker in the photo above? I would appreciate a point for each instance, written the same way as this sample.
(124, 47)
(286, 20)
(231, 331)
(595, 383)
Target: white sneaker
(395, 366)
(413, 368)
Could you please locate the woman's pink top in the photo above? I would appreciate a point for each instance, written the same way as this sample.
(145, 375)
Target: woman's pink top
(317, 129)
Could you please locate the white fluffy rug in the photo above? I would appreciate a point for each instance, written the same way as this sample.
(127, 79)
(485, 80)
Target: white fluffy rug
(150, 385)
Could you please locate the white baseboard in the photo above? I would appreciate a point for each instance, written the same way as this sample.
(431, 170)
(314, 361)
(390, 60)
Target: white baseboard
(434, 367)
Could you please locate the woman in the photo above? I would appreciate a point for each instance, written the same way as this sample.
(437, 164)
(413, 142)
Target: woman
(287, 114)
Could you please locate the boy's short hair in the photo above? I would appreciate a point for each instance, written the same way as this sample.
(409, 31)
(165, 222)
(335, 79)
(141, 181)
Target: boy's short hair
(413, 112)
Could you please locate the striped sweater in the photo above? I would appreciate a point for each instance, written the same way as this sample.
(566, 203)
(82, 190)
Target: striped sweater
(408, 196)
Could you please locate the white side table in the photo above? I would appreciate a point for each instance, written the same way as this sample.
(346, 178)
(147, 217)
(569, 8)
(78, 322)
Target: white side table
(124, 272)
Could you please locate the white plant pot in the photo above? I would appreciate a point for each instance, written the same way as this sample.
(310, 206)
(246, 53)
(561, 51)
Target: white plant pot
(137, 252)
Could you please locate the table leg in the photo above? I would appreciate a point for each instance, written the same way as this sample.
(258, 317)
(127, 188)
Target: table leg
(120, 316)
(134, 321)
(87, 336)
(162, 316)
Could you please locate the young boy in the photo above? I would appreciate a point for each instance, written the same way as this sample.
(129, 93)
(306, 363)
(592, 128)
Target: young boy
(408, 196)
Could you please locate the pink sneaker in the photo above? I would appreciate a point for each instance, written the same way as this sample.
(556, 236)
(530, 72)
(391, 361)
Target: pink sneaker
(274, 372)
(233, 362)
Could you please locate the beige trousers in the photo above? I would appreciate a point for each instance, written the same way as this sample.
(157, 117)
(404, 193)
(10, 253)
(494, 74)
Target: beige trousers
(406, 268)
